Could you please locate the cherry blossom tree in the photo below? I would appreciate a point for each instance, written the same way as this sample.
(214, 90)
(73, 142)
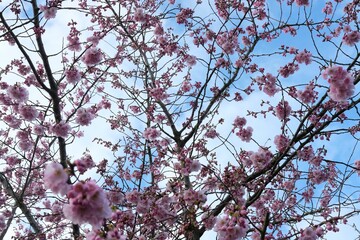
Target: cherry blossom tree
(215, 118)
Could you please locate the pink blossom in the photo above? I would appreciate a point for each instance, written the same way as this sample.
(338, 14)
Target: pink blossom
(341, 83)
(12, 121)
(190, 60)
(245, 134)
(84, 163)
(72, 75)
(49, 12)
(184, 14)
(308, 95)
(328, 9)
(84, 116)
(261, 158)
(74, 43)
(357, 166)
(39, 130)
(288, 69)
(29, 113)
(231, 228)
(159, 30)
(192, 197)
(55, 178)
(303, 57)
(281, 142)
(302, 2)
(351, 38)
(87, 204)
(139, 15)
(18, 93)
(211, 133)
(92, 56)
(308, 234)
(26, 145)
(239, 122)
(283, 110)
(151, 133)
(61, 129)
(186, 86)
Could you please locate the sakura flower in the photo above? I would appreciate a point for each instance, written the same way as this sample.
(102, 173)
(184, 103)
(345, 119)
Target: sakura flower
(211, 133)
(230, 228)
(139, 15)
(283, 110)
(87, 204)
(303, 57)
(308, 234)
(55, 178)
(357, 166)
(61, 129)
(84, 116)
(18, 93)
(26, 145)
(281, 142)
(84, 163)
(73, 75)
(351, 38)
(151, 134)
(49, 12)
(302, 2)
(245, 134)
(341, 83)
(92, 56)
(29, 113)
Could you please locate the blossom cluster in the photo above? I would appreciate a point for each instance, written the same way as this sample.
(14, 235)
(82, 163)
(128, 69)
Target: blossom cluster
(243, 133)
(341, 83)
(55, 178)
(231, 228)
(87, 204)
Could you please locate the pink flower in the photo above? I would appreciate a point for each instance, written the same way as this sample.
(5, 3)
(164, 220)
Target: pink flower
(302, 2)
(72, 75)
(303, 57)
(231, 228)
(211, 133)
(92, 56)
(139, 15)
(328, 9)
(84, 163)
(245, 134)
(29, 113)
(151, 134)
(184, 14)
(55, 178)
(308, 95)
(61, 129)
(74, 43)
(186, 86)
(49, 12)
(281, 142)
(26, 145)
(18, 93)
(283, 110)
(239, 122)
(308, 234)
(87, 204)
(341, 83)
(190, 60)
(84, 116)
(351, 38)
(357, 166)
